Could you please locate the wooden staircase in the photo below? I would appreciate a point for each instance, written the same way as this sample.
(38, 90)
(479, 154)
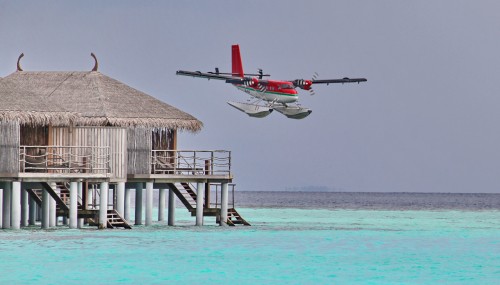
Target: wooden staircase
(36, 194)
(234, 218)
(114, 220)
(59, 201)
(187, 195)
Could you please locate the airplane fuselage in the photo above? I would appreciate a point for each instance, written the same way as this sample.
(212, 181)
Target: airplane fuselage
(273, 91)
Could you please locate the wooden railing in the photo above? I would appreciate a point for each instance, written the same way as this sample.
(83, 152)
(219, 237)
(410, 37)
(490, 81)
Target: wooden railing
(191, 162)
(218, 195)
(64, 159)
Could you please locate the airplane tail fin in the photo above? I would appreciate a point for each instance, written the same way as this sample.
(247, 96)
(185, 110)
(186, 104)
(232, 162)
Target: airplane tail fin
(236, 59)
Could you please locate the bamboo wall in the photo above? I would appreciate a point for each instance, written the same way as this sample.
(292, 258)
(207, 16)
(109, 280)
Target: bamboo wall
(139, 148)
(112, 137)
(9, 147)
(34, 135)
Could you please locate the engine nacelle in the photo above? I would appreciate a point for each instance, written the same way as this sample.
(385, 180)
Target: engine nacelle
(255, 83)
(303, 84)
(252, 82)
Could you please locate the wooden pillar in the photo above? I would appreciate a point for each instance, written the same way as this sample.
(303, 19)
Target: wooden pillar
(161, 204)
(224, 204)
(120, 198)
(73, 205)
(32, 211)
(16, 205)
(103, 205)
(200, 191)
(149, 203)
(45, 209)
(7, 190)
(138, 203)
(171, 207)
(80, 221)
(24, 208)
(126, 206)
(52, 207)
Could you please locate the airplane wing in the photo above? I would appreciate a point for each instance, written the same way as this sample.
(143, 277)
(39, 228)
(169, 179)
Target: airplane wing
(205, 75)
(307, 84)
(219, 76)
(343, 80)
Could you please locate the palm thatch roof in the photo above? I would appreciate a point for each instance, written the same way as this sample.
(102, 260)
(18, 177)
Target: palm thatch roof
(29, 109)
(97, 99)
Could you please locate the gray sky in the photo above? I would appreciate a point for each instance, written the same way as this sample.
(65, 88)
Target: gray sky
(426, 120)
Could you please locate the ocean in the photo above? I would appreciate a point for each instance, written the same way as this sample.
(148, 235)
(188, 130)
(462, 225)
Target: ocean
(295, 238)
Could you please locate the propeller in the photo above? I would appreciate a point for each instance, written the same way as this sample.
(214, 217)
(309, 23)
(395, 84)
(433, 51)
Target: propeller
(311, 91)
(306, 84)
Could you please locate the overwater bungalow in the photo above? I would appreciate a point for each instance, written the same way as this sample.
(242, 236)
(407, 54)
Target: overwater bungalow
(74, 143)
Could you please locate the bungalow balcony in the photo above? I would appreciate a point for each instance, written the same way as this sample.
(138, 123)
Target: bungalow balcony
(69, 162)
(101, 164)
(189, 166)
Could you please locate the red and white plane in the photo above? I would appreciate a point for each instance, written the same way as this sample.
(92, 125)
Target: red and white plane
(279, 95)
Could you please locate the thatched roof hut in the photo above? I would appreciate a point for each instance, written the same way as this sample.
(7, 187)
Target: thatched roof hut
(86, 99)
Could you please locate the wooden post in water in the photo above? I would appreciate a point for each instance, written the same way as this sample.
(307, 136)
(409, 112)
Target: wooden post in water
(161, 205)
(73, 205)
(80, 221)
(32, 211)
(103, 205)
(16, 205)
(126, 205)
(24, 207)
(45, 209)
(138, 203)
(7, 190)
(120, 198)
(149, 203)
(200, 190)
(171, 207)
(52, 207)
(223, 204)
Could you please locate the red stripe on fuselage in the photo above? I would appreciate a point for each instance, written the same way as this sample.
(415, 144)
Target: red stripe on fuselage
(285, 87)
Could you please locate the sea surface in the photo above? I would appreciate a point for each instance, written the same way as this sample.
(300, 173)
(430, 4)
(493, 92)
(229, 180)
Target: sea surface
(295, 238)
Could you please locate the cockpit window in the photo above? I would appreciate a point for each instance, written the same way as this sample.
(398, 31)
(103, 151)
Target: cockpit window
(286, 86)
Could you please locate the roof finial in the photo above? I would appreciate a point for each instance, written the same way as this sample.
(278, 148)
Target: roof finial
(18, 62)
(96, 65)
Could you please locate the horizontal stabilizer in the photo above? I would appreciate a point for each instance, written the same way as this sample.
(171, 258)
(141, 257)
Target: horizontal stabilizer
(251, 109)
(293, 112)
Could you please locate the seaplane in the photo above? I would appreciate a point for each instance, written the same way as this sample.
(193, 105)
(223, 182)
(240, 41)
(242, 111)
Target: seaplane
(268, 95)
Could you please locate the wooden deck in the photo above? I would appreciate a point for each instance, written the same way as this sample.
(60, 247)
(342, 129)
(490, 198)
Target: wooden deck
(172, 178)
(55, 177)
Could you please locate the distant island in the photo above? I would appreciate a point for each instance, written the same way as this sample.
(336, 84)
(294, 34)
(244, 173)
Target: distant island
(313, 188)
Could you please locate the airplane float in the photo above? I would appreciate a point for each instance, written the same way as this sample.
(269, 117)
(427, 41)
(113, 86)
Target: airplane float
(279, 95)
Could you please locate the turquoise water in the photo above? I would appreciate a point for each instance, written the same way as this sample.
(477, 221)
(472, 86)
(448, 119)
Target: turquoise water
(283, 246)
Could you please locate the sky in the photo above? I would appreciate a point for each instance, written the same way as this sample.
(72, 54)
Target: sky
(426, 120)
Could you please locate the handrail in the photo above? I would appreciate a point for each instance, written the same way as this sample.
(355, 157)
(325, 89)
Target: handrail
(191, 162)
(217, 195)
(65, 159)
